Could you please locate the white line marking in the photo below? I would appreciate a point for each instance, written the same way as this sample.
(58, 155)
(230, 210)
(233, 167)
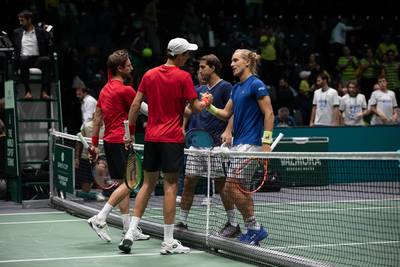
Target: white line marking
(33, 213)
(339, 245)
(50, 221)
(326, 210)
(90, 257)
(327, 202)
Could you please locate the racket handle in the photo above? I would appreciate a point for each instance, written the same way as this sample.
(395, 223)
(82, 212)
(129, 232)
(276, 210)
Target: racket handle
(127, 134)
(86, 145)
(276, 141)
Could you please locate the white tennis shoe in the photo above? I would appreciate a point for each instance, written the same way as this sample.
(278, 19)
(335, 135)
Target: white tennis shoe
(100, 228)
(175, 247)
(130, 236)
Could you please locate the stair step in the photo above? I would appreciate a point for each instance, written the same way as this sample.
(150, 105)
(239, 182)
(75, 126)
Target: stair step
(38, 120)
(33, 141)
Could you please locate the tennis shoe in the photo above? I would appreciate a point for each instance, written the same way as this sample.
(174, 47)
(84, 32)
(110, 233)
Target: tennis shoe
(175, 247)
(253, 237)
(181, 226)
(100, 228)
(230, 231)
(137, 235)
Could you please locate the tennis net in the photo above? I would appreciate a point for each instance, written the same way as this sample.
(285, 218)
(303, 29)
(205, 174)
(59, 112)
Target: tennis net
(320, 209)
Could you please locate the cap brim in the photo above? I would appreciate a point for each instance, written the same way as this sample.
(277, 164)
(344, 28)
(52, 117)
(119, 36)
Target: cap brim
(192, 47)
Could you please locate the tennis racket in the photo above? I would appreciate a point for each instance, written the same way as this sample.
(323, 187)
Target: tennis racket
(133, 171)
(199, 138)
(100, 172)
(251, 174)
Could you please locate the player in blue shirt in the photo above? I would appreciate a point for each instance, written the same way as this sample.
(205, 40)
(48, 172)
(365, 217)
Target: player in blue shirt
(196, 166)
(252, 128)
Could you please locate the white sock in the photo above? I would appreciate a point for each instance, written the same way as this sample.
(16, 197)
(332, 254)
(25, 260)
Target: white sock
(168, 233)
(134, 223)
(102, 216)
(231, 217)
(126, 220)
(252, 223)
(184, 215)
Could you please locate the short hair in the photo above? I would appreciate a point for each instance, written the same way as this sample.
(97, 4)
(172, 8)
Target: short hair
(116, 59)
(212, 61)
(27, 14)
(323, 76)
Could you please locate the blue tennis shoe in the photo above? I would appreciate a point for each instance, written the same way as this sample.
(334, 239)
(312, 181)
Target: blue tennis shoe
(253, 237)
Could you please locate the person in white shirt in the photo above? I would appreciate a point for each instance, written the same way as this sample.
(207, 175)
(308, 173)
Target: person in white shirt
(88, 102)
(32, 45)
(353, 105)
(325, 111)
(383, 105)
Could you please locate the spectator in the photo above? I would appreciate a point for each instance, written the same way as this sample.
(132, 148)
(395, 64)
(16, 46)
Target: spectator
(304, 100)
(385, 46)
(353, 106)
(286, 96)
(338, 36)
(284, 119)
(88, 102)
(32, 50)
(325, 111)
(268, 47)
(391, 68)
(383, 105)
(347, 65)
(369, 69)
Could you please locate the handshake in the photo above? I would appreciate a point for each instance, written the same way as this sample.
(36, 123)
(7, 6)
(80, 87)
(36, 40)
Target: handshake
(207, 100)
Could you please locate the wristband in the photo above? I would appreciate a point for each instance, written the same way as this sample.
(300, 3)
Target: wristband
(212, 109)
(95, 141)
(267, 138)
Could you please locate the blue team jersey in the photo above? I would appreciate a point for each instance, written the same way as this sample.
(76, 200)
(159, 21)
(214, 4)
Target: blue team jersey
(248, 123)
(205, 120)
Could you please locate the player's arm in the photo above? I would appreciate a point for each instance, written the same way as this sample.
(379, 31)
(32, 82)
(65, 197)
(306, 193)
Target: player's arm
(336, 116)
(186, 115)
(380, 114)
(266, 108)
(97, 120)
(135, 107)
(222, 114)
(312, 119)
(226, 136)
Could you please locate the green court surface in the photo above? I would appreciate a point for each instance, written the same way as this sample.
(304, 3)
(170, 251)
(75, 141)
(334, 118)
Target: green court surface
(363, 232)
(58, 239)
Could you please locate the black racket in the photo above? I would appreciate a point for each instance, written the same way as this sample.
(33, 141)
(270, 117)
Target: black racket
(100, 172)
(133, 171)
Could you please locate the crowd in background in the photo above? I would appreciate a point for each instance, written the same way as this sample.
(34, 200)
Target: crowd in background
(297, 41)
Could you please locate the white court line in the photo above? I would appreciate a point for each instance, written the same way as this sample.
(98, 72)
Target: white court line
(32, 213)
(326, 210)
(50, 221)
(339, 245)
(90, 257)
(327, 202)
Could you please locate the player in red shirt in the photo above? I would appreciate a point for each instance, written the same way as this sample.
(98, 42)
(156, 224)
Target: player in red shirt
(112, 108)
(167, 90)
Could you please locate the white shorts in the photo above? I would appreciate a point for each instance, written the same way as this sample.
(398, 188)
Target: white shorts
(242, 168)
(197, 164)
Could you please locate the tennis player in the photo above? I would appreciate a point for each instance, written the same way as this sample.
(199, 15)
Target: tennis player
(112, 108)
(209, 70)
(167, 89)
(252, 130)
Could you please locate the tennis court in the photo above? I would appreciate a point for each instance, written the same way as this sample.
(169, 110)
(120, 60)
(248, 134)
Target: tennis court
(47, 237)
(331, 209)
(342, 231)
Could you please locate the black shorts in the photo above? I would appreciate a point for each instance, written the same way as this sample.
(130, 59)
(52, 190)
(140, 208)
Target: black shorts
(116, 156)
(165, 157)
